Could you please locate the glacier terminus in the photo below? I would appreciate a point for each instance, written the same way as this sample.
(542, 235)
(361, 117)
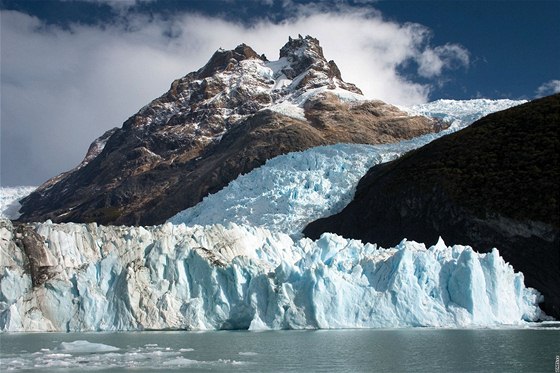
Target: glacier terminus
(100, 278)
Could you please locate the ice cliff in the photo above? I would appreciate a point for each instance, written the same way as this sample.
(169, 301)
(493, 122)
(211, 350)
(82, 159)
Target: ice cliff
(198, 278)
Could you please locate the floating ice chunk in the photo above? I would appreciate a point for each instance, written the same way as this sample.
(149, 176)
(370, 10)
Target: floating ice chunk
(179, 362)
(81, 346)
(248, 353)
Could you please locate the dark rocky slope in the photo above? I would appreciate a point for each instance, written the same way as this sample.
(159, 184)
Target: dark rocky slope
(211, 126)
(493, 184)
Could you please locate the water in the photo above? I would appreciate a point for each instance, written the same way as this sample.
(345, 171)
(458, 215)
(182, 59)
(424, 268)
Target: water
(388, 350)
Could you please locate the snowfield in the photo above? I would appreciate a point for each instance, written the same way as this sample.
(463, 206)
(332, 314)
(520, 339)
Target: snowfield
(462, 113)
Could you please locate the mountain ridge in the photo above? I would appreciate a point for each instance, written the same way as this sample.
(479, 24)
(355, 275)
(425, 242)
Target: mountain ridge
(213, 124)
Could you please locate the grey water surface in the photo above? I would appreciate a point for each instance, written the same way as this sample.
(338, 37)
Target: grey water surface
(371, 350)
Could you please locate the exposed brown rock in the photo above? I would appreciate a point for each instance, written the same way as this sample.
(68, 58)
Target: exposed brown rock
(211, 126)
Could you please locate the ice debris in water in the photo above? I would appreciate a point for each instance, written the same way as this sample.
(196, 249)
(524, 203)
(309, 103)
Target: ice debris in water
(242, 277)
(97, 356)
(81, 346)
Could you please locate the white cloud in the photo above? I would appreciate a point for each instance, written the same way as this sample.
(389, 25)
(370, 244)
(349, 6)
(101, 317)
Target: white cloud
(63, 88)
(431, 62)
(119, 5)
(548, 88)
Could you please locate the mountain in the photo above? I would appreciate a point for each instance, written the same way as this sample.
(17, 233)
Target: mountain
(269, 184)
(212, 125)
(493, 184)
(248, 272)
(85, 277)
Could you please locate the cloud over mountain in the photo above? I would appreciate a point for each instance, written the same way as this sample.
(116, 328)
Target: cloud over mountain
(79, 81)
(548, 88)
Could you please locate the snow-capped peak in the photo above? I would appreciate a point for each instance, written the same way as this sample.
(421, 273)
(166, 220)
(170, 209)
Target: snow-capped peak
(237, 83)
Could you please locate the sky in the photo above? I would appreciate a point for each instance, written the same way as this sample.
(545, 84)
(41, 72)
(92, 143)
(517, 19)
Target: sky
(72, 69)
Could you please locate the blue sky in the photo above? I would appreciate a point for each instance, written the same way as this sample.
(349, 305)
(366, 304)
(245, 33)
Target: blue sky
(72, 69)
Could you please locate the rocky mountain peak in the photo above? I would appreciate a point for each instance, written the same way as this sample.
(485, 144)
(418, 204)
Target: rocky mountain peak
(224, 119)
(307, 62)
(300, 47)
(239, 82)
(225, 60)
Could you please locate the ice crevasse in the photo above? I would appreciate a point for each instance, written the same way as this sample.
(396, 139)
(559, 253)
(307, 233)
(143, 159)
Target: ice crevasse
(243, 277)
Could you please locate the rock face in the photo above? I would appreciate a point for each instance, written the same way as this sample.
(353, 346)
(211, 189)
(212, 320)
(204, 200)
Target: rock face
(212, 125)
(493, 184)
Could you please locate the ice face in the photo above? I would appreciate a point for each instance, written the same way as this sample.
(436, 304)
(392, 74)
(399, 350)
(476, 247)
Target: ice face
(9, 200)
(241, 277)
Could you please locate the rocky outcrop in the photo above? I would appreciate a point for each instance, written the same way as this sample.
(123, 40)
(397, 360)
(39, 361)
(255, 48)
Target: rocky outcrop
(212, 125)
(306, 60)
(493, 184)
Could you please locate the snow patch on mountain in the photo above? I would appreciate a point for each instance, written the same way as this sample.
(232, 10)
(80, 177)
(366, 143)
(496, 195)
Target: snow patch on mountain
(241, 277)
(9, 200)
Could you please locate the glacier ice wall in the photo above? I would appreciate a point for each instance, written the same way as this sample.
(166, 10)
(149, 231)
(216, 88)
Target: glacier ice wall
(215, 277)
(9, 200)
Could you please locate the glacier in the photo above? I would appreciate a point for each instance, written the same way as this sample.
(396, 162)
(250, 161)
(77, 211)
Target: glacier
(9, 200)
(237, 260)
(242, 277)
(458, 113)
(292, 190)
(461, 113)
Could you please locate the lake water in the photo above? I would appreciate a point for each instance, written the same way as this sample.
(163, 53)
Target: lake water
(379, 350)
